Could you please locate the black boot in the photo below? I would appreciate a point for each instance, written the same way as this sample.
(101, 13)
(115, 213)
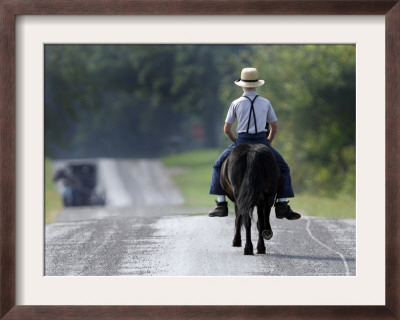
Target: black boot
(282, 210)
(221, 210)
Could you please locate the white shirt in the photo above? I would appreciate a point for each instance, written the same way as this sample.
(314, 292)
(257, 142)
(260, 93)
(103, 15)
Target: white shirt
(240, 110)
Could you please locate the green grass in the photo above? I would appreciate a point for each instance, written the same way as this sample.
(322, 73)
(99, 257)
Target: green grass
(341, 206)
(53, 204)
(194, 182)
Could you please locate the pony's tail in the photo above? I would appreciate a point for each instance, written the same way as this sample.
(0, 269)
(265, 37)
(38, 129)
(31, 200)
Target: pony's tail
(251, 188)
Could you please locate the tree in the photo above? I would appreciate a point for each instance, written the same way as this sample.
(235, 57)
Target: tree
(133, 100)
(312, 88)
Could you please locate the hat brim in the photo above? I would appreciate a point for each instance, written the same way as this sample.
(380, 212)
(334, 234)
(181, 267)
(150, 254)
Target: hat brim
(243, 84)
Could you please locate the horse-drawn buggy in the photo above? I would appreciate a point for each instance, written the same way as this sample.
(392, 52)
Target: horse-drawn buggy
(77, 182)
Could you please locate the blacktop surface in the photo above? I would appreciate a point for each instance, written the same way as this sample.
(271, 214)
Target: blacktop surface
(147, 231)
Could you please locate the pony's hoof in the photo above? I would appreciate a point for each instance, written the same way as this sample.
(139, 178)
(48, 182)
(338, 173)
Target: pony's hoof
(237, 242)
(261, 246)
(248, 250)
(267, 234)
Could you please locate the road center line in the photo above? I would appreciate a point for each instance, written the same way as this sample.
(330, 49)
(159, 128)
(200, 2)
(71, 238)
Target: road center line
(324, 245)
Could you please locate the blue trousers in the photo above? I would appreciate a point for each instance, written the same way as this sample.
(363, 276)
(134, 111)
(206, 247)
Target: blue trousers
(285, 189)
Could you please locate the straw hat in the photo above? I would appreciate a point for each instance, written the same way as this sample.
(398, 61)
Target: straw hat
(249, 79)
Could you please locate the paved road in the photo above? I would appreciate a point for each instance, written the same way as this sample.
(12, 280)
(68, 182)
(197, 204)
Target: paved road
(154, 237)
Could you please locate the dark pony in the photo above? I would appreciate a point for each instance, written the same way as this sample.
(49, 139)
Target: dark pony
(250, 177)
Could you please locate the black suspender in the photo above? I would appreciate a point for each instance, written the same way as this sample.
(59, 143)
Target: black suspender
(254, 114)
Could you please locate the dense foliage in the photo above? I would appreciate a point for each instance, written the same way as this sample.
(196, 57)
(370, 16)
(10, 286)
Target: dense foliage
(151, 100)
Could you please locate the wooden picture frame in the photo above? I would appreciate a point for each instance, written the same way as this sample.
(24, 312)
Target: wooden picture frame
(9, 9)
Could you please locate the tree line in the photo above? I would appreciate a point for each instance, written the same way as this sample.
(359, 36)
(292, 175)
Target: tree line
(150, 100)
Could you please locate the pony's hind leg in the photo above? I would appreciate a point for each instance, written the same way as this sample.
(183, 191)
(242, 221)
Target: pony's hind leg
(237, 239)
(267, 232)
(248, 249)
(260, 227)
